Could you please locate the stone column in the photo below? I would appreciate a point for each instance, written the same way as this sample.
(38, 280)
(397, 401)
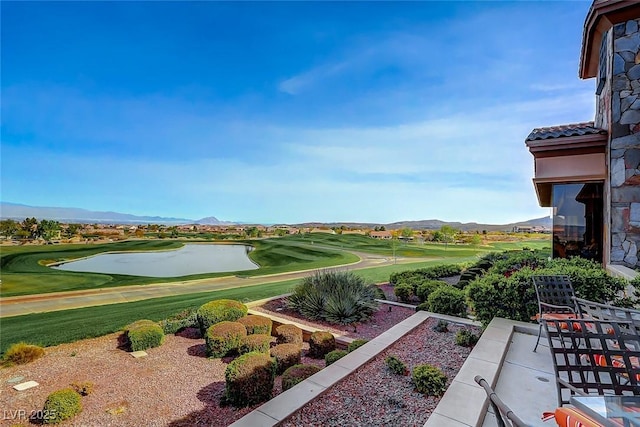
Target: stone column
(625, 145)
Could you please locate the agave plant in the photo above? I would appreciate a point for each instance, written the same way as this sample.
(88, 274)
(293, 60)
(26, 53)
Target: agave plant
(335, 296)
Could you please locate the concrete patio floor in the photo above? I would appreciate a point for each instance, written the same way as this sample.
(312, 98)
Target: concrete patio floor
(526, 382)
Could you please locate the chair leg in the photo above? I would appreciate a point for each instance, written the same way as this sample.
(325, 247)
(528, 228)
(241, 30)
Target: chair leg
(538, 340)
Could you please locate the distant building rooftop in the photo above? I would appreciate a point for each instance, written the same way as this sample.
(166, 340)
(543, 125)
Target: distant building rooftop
(562, 131)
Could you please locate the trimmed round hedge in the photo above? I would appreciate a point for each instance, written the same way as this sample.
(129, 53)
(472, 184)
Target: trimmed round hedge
(286, 356)
(257, 342)
(250, 379)
(144, 334)
(429, 380)
(256, 324)
(218, 311)
(61, 405)
(289, 334)
(297, 374)
(224, 337)
(321, 343)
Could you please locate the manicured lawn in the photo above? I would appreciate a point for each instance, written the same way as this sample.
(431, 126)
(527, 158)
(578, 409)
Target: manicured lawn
(58, 327)
(23, 272)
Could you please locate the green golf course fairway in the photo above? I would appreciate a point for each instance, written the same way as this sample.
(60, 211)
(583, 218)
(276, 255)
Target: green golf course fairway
(58, 327)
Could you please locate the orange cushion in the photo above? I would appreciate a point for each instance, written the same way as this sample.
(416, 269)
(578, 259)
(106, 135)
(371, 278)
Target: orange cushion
(572, 417)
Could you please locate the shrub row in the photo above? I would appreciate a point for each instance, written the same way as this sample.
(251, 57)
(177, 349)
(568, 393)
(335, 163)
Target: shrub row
(249, 379)
(218, 311)
(176, 323)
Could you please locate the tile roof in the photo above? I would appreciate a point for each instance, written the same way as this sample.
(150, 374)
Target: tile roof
(562, 131)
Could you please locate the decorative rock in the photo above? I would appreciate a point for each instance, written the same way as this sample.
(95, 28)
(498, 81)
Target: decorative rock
(25, 386)
(636, 104)
(637, 61)
(619, 29)
(632, 158)
(630, 117)
(629, 43)
(618, 64)
(634, 214)
(632, 27)
(626, 245)
(617, 172)
(615, 107)
(618, 216)
(138, 354)
(626, 142)
(627, 194)
(627, 101)
(634, 72)
(15, 379)
(616, 154)
(617, 255)
(620, 82)
(628, 56)
(635, 86)
(625, 93)
(616, 240)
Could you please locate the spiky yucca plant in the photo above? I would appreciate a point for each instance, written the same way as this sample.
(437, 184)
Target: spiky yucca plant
(335, 296)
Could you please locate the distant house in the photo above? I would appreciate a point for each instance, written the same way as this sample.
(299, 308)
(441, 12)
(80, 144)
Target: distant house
(589, 173)
(522, 229)
(383, 235)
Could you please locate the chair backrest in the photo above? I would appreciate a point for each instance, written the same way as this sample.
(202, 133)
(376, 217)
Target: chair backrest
(555, 290)
(504, 415)
(604, 312)
(594, 357)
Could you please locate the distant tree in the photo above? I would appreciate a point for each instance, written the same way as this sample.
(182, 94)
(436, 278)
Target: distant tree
(139, 233)
(448, 234)
(30, 228)
(252, 232)
(8, 228)
(406, 232)
(72, 230)
(437, 236)
(48, 229)
(173, 231)
(281, 232)
(476, 239)
(382, 228)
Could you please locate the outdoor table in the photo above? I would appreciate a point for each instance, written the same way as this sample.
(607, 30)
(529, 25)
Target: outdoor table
(610, 411)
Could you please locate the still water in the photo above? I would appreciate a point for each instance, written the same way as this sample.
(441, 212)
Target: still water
(190, 259)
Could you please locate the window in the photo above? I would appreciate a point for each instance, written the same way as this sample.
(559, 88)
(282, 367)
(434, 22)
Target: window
(577, 220)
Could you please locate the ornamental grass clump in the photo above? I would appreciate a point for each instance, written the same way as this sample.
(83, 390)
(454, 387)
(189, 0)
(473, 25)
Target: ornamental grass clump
(296, 374)
(256, 324)
(289, 334)
(61, 405)
(257, 343)
(339, 297)
(224, 337)
(286, 355)
(334, 356)
(429, 380)
(21, 353)
(144, 334)
(218, 311)
(249, 379)
(321, 343)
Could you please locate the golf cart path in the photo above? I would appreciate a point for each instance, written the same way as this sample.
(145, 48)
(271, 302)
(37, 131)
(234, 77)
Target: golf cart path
(28, 304)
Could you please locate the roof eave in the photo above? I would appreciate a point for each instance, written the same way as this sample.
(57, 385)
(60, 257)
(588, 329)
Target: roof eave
(601, 17)
(567, 143)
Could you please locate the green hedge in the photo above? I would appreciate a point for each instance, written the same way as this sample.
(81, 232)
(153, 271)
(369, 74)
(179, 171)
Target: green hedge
(448, 300)
(144, 334)
(250, 379)
(259, 343)
(218, 311)
(61, 405)
(224, 337)
(297, 374)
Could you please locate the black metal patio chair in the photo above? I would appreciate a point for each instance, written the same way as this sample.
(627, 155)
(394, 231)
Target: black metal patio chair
(555, 300)
(594, 357)
(604, 312)
(505, 417)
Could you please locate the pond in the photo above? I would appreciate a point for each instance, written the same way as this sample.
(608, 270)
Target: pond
(190, 259)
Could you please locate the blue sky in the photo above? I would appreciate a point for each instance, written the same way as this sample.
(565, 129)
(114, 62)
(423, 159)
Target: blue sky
(284, 112)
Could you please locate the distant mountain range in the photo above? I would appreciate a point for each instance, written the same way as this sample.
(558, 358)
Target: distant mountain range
(19, 212)
(434, 224)
(77, 215)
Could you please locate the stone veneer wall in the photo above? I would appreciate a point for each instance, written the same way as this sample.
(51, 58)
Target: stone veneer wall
(624, 149)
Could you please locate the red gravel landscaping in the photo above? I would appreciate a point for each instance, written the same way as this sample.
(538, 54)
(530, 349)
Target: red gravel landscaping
(384, 318)
(373, 396)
